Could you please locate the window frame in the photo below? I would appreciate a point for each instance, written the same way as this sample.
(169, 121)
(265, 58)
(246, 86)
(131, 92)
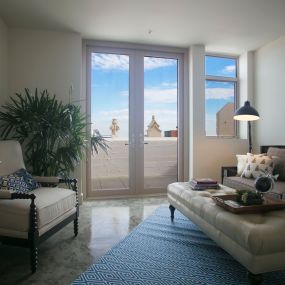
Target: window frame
(234, 80)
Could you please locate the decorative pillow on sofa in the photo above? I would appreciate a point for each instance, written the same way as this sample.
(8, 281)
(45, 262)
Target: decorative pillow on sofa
(278, 156)
(241, 163)
(257, 164)
(20, 181)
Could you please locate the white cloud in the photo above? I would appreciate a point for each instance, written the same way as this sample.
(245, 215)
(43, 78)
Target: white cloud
(124, 93)
(121, 62)
(157, 95)
(219, 93)
(119, 114)
(229, 69)
(211, 125)
(156, 62)
(166, 92)
(169, 84)
(110, 61)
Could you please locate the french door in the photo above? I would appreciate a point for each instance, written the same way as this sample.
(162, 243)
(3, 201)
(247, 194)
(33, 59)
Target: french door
(135, 105)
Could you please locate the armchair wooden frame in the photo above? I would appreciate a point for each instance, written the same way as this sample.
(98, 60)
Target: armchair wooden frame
(34, 239)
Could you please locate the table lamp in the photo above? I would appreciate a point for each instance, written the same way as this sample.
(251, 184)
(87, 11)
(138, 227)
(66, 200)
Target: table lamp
(248, 114)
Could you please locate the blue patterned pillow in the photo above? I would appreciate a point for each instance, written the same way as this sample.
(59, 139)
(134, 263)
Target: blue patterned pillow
(20, 181)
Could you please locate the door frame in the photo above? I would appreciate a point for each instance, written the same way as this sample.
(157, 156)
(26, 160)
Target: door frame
(136, 158)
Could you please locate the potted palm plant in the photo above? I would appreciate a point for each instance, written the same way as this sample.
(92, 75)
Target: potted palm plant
(52, 133)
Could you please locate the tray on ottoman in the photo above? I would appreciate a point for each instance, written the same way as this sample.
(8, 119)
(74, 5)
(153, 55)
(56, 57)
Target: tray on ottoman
(229, 203)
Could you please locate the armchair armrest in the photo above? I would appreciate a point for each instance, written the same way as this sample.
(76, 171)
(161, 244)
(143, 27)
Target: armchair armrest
(47, 181)
(228, 171)
(5, 194)
(11, 195)
(52, 181)
(71, 182)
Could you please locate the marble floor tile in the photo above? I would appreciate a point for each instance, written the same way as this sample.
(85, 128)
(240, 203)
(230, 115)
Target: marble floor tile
(102, 224)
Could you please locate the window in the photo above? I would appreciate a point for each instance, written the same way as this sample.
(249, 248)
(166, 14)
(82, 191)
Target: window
(221, 93)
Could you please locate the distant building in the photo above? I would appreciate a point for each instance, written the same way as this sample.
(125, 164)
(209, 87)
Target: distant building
(153, 129)
(171, 133)
(225, 121)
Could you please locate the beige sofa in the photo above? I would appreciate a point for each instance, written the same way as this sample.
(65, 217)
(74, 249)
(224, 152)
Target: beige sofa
(27, 219)
(254, 240)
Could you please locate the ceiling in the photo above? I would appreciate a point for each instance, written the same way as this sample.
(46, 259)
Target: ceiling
(232, 26)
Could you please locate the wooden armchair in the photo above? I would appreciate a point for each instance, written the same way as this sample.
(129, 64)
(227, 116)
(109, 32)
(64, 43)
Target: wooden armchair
(27, 219)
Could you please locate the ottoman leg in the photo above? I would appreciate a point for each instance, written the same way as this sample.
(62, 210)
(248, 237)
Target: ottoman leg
(172, 209)
(254, 279)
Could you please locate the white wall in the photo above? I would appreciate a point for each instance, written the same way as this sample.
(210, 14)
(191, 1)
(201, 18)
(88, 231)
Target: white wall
(46, 60)
(270, 93)
(245, 88)
(3, 61)
(208, 153)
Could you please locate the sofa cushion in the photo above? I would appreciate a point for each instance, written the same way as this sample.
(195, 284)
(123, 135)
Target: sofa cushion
(241, 183)
(278, 155)
(51, 203)
(241, 163)
(257, 164)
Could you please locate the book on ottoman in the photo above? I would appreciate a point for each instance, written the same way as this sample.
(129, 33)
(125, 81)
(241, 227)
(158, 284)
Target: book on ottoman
(203, 184)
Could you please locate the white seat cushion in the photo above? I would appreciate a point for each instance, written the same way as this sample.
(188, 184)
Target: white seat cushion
(51, 204)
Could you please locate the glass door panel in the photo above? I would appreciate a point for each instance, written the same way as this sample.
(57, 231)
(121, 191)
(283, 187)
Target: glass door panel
(110, 121)
(160, 122)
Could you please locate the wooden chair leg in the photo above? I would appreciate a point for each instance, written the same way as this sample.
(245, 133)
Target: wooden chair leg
(34, 259)
(172, 209)
(33, 235)
(75, 226)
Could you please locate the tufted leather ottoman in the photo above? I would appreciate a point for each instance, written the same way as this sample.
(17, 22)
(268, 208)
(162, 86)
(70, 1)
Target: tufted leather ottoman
(257, 241)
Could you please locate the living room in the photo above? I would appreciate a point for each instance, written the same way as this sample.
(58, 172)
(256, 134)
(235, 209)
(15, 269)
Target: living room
(45, 45)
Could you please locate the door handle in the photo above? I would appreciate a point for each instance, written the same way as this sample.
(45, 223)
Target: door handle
(145, 143)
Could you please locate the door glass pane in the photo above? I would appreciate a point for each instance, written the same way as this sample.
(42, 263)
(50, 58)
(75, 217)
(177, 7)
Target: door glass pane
(160, 122)
(110, 119)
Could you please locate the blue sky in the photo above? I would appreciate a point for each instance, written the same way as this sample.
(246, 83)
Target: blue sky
(110, 96)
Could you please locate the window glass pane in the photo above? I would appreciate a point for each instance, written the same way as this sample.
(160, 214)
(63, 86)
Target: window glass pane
(220, 98)
(220, 66)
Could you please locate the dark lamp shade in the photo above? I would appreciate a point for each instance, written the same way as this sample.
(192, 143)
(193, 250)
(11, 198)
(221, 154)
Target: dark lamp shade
(246, 113)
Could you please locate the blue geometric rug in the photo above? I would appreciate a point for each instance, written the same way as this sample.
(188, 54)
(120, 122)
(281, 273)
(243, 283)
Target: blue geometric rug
(161, 252)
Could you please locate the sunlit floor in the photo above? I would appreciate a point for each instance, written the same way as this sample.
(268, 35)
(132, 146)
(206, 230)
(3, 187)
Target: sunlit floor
(62, 257)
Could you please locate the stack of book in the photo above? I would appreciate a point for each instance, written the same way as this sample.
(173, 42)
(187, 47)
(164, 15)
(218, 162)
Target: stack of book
(203, 184)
